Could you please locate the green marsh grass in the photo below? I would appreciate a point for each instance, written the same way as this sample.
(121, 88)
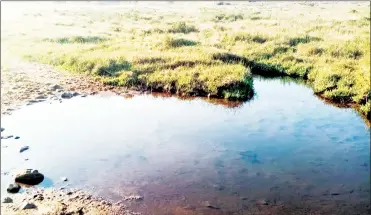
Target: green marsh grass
(206, 49)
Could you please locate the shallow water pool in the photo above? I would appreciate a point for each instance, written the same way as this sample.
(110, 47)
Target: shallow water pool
(284, 152)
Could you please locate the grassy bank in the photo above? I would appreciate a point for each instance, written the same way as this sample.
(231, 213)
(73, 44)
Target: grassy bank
(204, 49)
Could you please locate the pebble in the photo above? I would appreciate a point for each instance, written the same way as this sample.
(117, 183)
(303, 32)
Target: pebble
(40, 97)
(2, 129)
(55, 87)
(7, 200)
(64, 179)
(66, 95)
(24, 148)
(13, 188)
(16, 137)
(28, 205)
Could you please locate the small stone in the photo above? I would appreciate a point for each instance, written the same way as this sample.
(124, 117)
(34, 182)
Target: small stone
(64, 179)
(16, 137)
(38, 197)
(7, 200)
(75, 94)
(66, 95)
(40, 97)
(28, 205)
(24, 148)
(335, 194)
(13, 188)
(26, 159)
(2, 129)
(83, 95)
(55, 87)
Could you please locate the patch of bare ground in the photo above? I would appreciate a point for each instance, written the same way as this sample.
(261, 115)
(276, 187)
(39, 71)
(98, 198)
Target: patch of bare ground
(24, 83)
(61, 202)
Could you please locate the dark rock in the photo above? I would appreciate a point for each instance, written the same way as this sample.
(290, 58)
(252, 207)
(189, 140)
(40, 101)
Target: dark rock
(335, 193)
(75, 94)
(29, 177)
(28, 205)
(66, 95)
(40, 97)
(7, 200)
(55, 87)
(24, 148)
(38, 197)
(13, 188)
(64, 179)
(2, 129)
(16, 137)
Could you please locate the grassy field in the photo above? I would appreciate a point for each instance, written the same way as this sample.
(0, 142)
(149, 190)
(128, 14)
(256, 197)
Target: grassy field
(205, 48)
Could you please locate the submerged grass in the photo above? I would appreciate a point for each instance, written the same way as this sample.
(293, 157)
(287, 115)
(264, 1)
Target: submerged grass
(203, 49)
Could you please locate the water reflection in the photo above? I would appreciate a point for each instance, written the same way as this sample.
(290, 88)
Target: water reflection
(285, 147)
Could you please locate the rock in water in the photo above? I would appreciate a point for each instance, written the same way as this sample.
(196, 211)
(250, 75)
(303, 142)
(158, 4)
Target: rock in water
(66, 95)
(7, 200)
(13, 188)
(24, 148)
(29, 177)
(28, 205)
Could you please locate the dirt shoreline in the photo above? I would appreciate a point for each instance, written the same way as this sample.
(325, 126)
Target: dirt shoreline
(62, 202)
(25, 83)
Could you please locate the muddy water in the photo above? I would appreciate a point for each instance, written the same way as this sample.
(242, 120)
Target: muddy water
(285, 147)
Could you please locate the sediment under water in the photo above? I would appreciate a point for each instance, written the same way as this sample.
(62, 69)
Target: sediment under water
(283, 150)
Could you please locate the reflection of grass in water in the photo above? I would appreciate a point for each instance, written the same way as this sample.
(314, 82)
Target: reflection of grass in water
(173, 51)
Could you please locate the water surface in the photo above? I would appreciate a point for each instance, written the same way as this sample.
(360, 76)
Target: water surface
(285, 146)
